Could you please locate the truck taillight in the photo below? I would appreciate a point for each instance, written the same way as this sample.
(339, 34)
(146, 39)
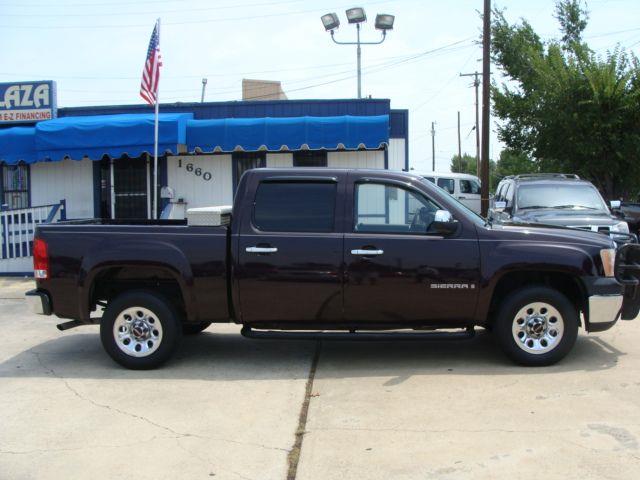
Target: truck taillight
(40, 259)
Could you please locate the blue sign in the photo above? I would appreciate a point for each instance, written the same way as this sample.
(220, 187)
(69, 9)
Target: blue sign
(27, 102)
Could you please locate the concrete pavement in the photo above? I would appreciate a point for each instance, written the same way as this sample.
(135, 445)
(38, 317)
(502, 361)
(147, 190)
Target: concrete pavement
(227, 407)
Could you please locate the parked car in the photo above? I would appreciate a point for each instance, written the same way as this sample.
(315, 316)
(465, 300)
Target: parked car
(629, 212)
(462, 186)
(326, 253)
(555, 199)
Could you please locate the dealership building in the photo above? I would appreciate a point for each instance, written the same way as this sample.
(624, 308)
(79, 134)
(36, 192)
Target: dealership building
(97, 162)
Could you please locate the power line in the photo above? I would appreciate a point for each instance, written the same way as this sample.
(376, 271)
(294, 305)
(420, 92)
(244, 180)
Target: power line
(369, 70)
(157, 13)
(185, 22)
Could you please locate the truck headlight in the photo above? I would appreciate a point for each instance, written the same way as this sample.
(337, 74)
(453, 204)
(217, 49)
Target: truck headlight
(622, 227)
(608, 257)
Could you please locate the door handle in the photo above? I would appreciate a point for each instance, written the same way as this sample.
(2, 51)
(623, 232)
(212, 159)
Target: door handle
(261, 249)
(462, 198)
(366, 253)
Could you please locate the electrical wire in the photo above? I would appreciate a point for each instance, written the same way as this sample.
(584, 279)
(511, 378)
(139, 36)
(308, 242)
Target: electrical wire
(185, 22)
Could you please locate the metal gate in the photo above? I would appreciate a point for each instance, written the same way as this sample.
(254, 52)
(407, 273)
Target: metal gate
(129, 197)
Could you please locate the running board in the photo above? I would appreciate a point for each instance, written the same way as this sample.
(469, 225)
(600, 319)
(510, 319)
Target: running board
(72, 324)
(249, 332)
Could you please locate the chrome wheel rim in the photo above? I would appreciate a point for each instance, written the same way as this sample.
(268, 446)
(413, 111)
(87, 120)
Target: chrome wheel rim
(538, 328)
(137, 331)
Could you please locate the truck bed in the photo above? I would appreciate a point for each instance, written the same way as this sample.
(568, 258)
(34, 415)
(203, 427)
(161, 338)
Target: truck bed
(179, 258)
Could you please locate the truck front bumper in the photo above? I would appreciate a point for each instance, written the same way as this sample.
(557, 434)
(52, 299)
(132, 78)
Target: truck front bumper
(38, 302)
(609, 301)
(604, 311)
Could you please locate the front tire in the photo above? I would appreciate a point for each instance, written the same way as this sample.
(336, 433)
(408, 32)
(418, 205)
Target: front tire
(537, 326)
(140, 330)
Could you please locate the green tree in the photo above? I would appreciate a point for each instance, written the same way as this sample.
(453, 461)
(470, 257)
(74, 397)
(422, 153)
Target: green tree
(566, 108)
(512, 162)
(466, 164)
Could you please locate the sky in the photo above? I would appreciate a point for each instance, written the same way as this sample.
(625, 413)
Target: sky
(95, 50)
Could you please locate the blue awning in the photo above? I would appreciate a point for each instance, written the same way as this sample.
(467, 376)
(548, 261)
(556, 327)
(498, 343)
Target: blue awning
(132, 135)
(17, 144)
(288, 133)
(112, 135)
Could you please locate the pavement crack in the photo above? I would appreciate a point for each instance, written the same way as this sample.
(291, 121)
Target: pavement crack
(174, 433)
(294, 454)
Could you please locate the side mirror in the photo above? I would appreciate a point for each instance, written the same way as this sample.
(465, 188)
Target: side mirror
(615, 204)
(500, 206)
(443, 223)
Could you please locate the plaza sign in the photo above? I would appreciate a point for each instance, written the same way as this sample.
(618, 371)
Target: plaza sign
(27, 102)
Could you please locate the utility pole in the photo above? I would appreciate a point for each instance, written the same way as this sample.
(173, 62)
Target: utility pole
(204, 85)
(486, 73)
(459, 145)
(476, 84)
(433, 146)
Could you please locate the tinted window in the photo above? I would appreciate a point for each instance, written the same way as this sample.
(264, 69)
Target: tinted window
(447, 184)
(469, 186)
(431, 179)
(310, 158)
(295, 206)
(390, 209)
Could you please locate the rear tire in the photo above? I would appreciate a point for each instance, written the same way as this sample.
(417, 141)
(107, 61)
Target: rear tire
(194, 328)
(536, 326)
(140, 330)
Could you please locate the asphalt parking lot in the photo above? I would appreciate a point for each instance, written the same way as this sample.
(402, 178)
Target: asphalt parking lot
(228, 407)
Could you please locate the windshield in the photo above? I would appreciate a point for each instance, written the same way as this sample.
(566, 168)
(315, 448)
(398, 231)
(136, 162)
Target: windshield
(570, 197)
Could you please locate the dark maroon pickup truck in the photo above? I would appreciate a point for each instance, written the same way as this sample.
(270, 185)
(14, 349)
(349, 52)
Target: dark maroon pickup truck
(340, 254)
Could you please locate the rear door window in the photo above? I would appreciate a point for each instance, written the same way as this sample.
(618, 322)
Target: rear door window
(447, 184)
(291, 206)
(469, 186)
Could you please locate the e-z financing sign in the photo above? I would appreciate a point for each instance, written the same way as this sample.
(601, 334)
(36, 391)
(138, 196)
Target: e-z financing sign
(27, 102)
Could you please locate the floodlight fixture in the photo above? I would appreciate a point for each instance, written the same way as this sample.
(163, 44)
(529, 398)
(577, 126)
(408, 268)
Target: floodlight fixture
(330, 21)
(356, 15)
(384, 22)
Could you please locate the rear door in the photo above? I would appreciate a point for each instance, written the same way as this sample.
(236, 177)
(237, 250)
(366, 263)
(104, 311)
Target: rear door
(290, 250)
(395, 270)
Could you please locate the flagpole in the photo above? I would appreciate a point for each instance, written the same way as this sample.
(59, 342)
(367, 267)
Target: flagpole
(155, 145)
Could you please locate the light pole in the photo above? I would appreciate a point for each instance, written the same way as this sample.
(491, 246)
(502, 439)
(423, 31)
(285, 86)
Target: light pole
(357, 15)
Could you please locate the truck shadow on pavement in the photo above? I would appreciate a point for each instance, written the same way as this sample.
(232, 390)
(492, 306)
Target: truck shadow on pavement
(231, 357)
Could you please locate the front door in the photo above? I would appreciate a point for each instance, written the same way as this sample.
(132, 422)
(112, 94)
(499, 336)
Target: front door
(395, 270)
(290, 251)
(124, 184)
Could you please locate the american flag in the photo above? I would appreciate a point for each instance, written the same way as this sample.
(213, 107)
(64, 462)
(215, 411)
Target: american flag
(151, 71)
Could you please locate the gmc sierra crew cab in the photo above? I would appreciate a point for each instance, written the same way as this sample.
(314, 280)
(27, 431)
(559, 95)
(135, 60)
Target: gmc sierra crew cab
(340, 254)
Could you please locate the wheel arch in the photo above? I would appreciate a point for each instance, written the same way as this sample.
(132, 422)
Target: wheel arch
(567, 283)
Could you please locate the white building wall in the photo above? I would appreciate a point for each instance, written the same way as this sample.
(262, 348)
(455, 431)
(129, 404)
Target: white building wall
(70, 180)
(214, 185)
(356, 159)
(397, 154)
(279, 160)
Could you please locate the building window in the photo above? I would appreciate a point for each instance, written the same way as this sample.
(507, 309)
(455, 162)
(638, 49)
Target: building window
(15, 186)
(243, 161)
(310, 158)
